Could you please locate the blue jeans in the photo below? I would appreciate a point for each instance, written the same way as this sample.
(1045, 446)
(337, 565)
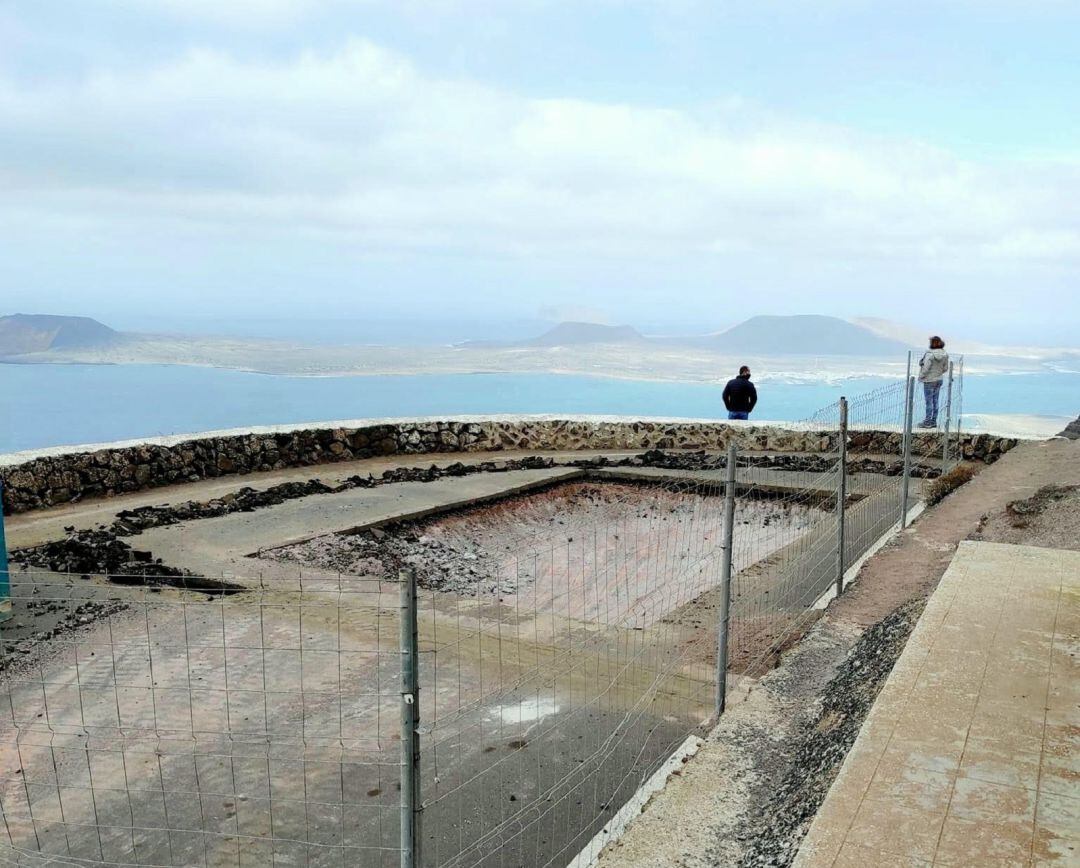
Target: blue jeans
(737, 414)
(931, 393)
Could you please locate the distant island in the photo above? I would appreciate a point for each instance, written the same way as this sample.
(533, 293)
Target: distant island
(798, 347)
(806, 335)
(23, 333)
(569, 334)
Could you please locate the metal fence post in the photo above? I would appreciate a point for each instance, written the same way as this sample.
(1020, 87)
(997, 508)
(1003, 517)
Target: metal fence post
(909, 411)
(948, 422)
(841, 497)
(725, 585)
(5, 576)
(959, 410)
(410, 723)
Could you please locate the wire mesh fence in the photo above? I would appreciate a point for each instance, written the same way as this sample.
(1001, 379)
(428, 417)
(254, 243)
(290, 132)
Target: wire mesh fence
(567, 647)
(939, 409)
(173, 727)
(571, 683)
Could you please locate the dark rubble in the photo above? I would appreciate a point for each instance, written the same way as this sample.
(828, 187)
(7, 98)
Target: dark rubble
(814, 754)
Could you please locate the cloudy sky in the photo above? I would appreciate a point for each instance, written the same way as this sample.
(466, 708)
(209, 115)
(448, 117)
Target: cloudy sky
(669, 163)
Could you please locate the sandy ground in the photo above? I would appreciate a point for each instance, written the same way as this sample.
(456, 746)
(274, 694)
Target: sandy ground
(1049, 518)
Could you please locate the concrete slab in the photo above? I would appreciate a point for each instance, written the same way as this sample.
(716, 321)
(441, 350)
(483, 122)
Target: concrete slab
(223, 545)
(969, 755)
(39, 526)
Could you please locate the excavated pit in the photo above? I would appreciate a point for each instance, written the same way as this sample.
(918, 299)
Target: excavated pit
(581, 534)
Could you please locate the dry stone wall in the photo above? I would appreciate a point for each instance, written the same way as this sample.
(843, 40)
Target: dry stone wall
(57, 479)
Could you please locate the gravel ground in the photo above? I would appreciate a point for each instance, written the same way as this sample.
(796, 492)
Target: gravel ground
(814, 754)
(40, 614)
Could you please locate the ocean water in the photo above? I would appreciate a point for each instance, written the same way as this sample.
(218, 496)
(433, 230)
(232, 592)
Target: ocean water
(54, 405)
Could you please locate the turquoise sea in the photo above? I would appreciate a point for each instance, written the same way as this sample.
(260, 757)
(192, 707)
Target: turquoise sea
(53, 405)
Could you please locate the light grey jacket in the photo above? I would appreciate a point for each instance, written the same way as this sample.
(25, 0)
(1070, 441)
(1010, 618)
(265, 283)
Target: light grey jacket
(933, 366)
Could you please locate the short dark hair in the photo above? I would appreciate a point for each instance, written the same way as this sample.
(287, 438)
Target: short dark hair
(937, 343)
(744, 370)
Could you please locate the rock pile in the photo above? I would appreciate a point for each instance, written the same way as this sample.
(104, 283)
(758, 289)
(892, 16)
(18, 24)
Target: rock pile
(441, 565)
(1021, 512)
(1072, 430)
(99, 552)
(87, 551)
(57, 479)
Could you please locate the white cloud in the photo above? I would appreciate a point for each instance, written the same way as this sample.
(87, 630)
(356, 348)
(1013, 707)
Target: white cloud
(359, 145)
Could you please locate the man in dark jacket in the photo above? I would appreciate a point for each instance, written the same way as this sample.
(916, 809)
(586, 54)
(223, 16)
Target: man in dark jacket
(740, 396)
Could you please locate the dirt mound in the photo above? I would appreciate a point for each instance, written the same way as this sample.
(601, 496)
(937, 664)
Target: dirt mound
(1049, 518)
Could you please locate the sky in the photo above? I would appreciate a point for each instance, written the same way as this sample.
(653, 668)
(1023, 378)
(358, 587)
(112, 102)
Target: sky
(674, 164)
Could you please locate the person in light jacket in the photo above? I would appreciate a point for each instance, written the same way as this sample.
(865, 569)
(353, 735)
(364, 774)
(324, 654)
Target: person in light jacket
(932, 369)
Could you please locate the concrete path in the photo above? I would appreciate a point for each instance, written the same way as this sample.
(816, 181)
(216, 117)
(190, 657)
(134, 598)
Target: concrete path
(969, 755)
(33, 528)
(216, 546)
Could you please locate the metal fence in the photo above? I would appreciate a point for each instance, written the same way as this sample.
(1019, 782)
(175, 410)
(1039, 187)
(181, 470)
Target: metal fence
(501, 710)
(155, 725)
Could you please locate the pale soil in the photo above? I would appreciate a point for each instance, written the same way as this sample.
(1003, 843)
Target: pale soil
(1050, 519)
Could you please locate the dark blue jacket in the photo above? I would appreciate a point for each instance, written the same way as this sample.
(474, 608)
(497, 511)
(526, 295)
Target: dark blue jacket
(740, 396)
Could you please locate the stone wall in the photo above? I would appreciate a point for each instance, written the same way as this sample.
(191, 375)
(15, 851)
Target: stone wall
(57, 479)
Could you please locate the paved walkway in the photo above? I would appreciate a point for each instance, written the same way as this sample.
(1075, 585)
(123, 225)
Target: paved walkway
(971, 753)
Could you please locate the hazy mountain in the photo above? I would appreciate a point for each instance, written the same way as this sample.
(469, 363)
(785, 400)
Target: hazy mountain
(906, 334)
(570, 334)
(805, 335)
(34, 333)
(567, 334)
